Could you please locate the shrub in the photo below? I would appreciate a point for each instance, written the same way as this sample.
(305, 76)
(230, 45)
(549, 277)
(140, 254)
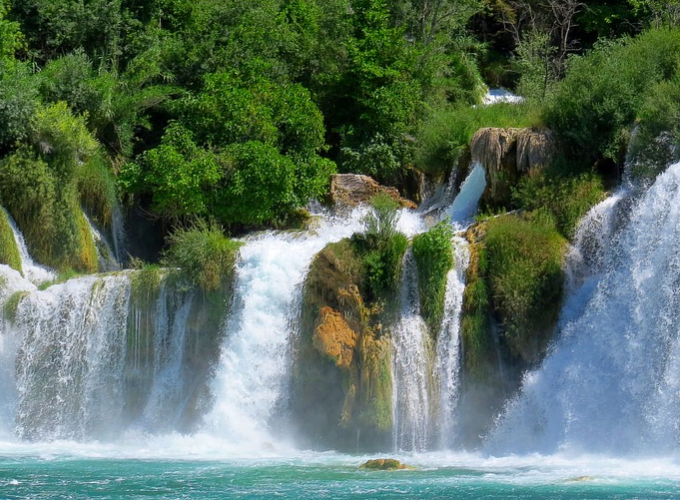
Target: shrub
(434, 259)
(204, 256)
(525, 275)
(566, 198)
(595, 106)
(381, 248)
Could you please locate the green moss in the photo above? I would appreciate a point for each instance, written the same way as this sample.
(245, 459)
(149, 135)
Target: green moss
(525, 256)
(203, 255)
(566, 198)
(12, 304)
(434, 259)
(47, 213)
(83, 256)
(476, 319)
(97, 189)
(9, 251)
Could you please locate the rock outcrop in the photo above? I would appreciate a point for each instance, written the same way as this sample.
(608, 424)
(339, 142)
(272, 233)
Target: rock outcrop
(506, 155)
(342, 381)
(350, 190)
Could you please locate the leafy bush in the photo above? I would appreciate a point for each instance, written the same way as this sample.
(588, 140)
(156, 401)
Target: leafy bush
(594, 108)
(525, 275)
(434, 259)
(565, 198)
(204, 256)
(381, 248)
(19, 100)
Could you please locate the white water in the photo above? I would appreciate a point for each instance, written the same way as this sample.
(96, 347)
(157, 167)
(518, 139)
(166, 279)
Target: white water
(610, 383)
(449, 344)
(494, 96)
(412, 369)
(33, 272)
(426, 376)
(91, 363)
(253, 373)
(464, 206)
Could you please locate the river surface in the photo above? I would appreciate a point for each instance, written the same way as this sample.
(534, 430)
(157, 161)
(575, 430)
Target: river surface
(98, 471)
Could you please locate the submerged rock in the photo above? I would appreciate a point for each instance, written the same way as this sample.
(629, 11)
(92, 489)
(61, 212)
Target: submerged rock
(350, 190)
(385, 464)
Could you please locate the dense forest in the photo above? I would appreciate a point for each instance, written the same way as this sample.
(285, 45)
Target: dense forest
(237, 113)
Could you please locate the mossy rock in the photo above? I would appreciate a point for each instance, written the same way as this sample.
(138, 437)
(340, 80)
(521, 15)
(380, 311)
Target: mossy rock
(385, 464)
(9, 251)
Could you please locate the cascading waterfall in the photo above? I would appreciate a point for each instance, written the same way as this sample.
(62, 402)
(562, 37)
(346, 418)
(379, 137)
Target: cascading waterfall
(426, 376)
(412, 369)
(448, 344)
(464, 206)
(253, 373)
(609, 384)
(99, 355)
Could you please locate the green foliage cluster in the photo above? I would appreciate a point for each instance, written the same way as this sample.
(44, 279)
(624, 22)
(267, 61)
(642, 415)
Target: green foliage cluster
(564, 198)
(381, 249)
(594, 109)
(9, 251)
(47, 211)
(203, 255)
(434, 259)
(524, 258)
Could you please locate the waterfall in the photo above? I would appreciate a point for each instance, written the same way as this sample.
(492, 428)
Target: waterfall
(33, 272)
(108, 259)
(464, 206)
(448, 344)
(609, 384)
(412, 371)
(252, 378)
(99, 355)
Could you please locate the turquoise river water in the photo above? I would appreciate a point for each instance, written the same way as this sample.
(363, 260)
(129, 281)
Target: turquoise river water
(93, 473)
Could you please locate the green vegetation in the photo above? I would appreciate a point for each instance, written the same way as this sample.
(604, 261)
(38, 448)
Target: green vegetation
(381, 249)
(434, 259)
(9, 251)
(564, 198)
(204, 256)
(476, 321)
(11, 305)
(525, 277)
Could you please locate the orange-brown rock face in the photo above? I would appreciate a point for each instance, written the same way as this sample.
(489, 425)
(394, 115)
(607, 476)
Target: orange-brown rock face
(335, 339)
